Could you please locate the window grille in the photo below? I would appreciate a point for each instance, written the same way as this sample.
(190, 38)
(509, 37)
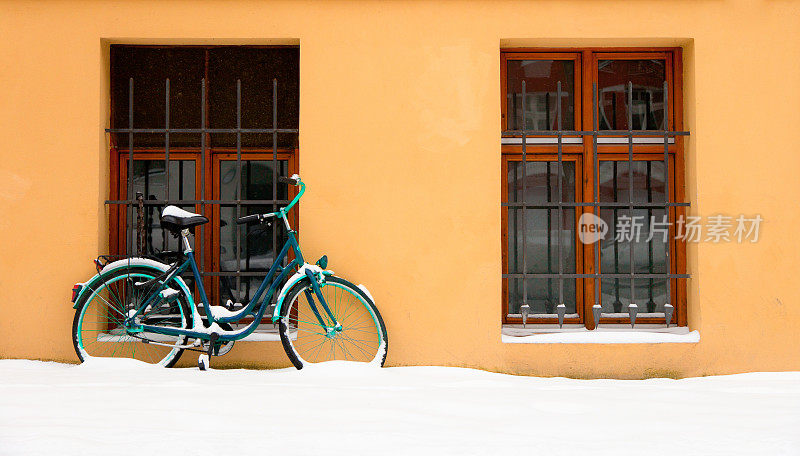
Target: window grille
(134, 206)
(633, 138)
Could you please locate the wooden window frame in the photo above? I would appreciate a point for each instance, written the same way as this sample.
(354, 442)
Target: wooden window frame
(588, 58)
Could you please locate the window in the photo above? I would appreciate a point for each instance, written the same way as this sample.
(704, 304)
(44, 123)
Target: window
(591, 131)
(221, 175)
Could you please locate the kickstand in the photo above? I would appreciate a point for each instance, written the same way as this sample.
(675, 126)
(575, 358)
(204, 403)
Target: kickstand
(212, 343)
(204, 361)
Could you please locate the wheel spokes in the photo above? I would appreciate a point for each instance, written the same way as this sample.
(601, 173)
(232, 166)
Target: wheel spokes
(101, 329)
(358, 340)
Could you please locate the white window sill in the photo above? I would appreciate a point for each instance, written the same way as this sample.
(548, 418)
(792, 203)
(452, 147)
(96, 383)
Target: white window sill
(514, 334)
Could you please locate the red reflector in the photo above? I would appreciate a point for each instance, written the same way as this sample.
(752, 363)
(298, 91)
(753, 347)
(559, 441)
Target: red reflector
(76, 291)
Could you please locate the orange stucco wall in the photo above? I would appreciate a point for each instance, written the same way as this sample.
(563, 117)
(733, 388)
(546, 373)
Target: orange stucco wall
(400, 147)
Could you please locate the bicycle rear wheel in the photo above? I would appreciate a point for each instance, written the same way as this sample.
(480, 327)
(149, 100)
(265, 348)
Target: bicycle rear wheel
(362, 337)
(98, 329)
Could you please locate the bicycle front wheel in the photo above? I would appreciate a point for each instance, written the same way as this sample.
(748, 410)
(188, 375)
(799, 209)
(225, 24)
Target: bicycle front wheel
(361, 337)
(98, 329)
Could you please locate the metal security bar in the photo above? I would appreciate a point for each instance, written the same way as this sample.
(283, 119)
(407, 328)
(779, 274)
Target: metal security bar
(131, 202)
(632, 138)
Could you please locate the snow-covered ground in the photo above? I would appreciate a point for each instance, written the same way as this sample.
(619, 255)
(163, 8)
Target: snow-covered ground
(122, 407)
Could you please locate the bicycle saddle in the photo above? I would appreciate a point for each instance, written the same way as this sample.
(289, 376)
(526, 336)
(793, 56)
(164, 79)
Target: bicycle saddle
(175, 219)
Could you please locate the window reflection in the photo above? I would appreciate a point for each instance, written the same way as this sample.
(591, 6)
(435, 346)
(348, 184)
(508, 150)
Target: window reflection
(541, 79)
(149, 178)
(647, 77)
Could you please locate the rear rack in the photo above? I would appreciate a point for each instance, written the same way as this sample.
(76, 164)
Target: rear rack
(166, 257)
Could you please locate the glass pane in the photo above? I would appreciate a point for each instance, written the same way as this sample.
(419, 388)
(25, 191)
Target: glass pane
(256, 68)
(150, 67)
(648, 78)
(648, 181)
(255, 241)
(255, 179)
(247, 290)
(541, 99)
(644, 229)
(541, 236)
(149, 177)
(258, 244)
(541, 181)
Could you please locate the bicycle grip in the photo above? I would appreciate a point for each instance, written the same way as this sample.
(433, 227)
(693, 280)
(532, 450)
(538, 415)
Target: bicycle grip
(288, 180)
(248, 219)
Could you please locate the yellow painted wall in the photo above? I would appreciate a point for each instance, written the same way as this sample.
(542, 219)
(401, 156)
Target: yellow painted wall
(399, 109)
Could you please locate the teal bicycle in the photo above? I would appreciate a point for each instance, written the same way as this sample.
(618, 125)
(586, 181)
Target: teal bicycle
(142, 309)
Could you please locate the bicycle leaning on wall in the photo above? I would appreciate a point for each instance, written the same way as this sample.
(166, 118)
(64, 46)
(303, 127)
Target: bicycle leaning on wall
(141, 308)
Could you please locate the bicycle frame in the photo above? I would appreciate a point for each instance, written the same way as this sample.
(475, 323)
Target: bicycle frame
(267, 288)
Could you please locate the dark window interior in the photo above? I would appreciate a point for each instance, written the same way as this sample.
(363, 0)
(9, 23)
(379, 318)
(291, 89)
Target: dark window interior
(256, 69)
(185, 67)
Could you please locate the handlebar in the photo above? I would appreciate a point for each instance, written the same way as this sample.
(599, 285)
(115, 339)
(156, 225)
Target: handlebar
(294, 180)
(261, 218)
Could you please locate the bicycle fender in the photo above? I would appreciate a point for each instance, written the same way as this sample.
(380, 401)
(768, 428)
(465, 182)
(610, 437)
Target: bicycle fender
(298, 276)
(97, 280)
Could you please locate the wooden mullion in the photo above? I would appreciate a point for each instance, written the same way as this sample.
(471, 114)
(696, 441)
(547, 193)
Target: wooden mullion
(588, 181)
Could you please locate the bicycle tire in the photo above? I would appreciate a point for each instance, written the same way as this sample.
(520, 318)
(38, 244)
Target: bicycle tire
(302, 336)
(106, 338)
